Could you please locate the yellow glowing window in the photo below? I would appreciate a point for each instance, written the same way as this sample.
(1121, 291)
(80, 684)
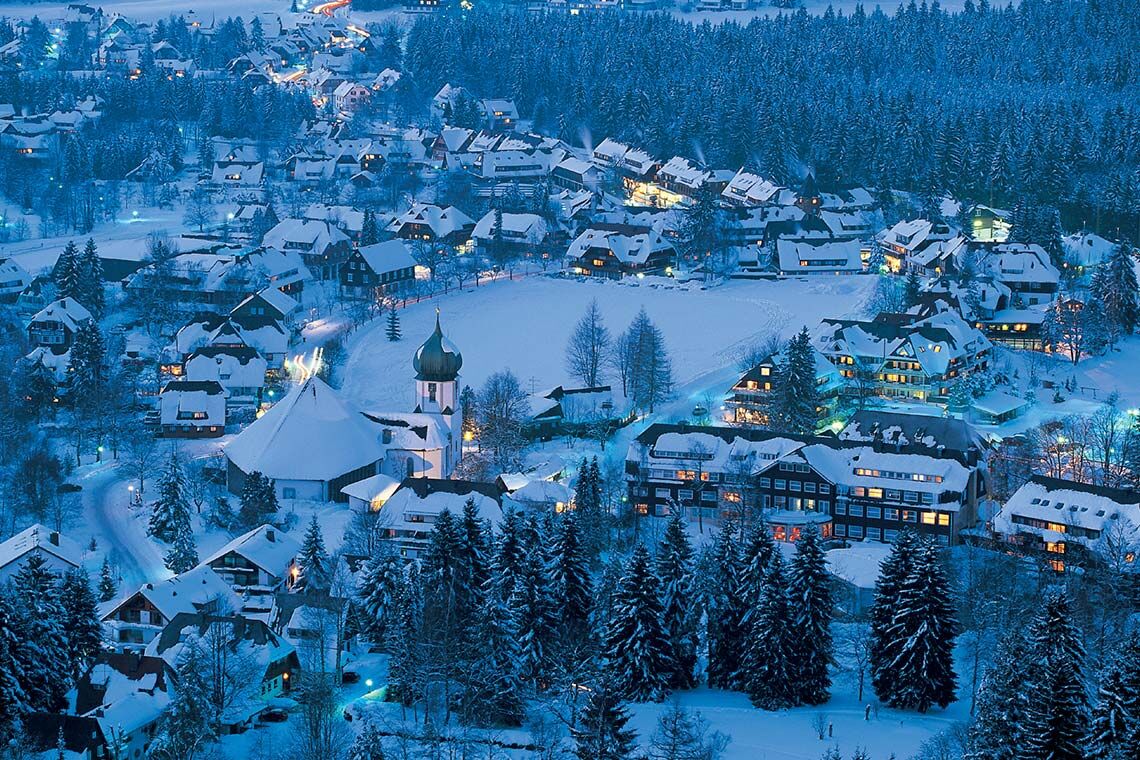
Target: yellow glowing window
(875, 493)
(929, 518)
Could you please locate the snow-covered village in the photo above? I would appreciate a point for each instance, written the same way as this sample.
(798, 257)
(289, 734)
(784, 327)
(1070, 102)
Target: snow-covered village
(570, 379)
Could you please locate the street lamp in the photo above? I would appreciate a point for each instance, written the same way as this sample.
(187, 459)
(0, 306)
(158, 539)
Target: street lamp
(368, 683)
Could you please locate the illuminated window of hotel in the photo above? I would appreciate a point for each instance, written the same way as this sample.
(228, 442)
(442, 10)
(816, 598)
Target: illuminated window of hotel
(875, 493)
(943, 519)
(929, 518)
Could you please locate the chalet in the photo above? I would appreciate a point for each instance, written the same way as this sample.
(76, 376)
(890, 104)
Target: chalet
(257, 564)
(139, 618)
(750, 190)
(809, 199)
(59, 553)
(986, 224)
(350, 97)
(321, 245)
(273, 661)
(575, 174)
(563, 410)
(264, 333)
(373, 271)
(500, 115)
(244, 174)
(270, 303)
(680, 178)
(13, 280)
(613, 251)
(410, 513)
(508, 165)
(54, 326)
(907, 238)
(433, 223)
(811, 257)
(901, 433)
(1070, 525)
(314, 622)
(1086, 250)
(521, 234)
(126, 694)
(350, 220)
(750, 398)
(240, 370)
(1025, 269)
(192, 409)
(902, 356)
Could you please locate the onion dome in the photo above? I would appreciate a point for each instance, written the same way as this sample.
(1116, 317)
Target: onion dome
(437, 360)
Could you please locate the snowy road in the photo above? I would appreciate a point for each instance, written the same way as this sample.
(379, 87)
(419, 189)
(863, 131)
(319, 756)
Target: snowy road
(119, 530)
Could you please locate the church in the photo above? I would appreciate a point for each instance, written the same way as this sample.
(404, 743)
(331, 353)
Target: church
(313, 443)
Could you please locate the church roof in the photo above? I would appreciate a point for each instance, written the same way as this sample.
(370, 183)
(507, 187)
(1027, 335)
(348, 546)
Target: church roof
(438, 359)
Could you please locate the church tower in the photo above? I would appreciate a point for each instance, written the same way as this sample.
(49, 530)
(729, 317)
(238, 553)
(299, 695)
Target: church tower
(437, 364)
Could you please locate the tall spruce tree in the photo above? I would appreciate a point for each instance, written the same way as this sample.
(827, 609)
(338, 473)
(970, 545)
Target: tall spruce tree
(91, 292)
(1057, 723)
(637, 650)
(392, 331)
(67, 274)
(369, 743)
(42, 657)
(170, 513)
(1112, 719)
(1114, 285)
(183, 553)
(405, 637)
(80, 621)
(376, 593)
(258, 500)
(895, 569)
(809, 593)
(537, 617)
(998, 730)
(922, 636)
(497, 687)
(678, 615)
(186, 725)
(726, 609)
(770, 658)
(796, 396)
(12, 695)
(86, 365)
(570, 575)
(313, 559)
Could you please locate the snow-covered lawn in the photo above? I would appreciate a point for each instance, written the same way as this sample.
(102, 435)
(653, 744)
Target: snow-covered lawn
(524, 326)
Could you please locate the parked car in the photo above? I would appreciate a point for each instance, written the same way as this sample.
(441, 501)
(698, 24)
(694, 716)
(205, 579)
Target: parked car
(350, 676)
(274, 715)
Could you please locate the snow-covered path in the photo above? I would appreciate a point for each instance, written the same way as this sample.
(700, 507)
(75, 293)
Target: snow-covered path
(119, 530)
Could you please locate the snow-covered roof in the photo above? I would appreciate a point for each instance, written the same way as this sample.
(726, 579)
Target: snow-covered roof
(389, 256)
(859, 563)
(864, 466)
(1087, 249)
(997, 403)
(408, 510)
(379, 487)
(311, 434)
(542, 492)
(309, 234)
(44, 539)
(198, 403)
(751, 189)
(267, 547)
(629, 244)
(795, 256)
(529, 227)
(1021, 263)
(441, 221)
(67, 311)
(240, 367)
(185, 593)
(1059, 510)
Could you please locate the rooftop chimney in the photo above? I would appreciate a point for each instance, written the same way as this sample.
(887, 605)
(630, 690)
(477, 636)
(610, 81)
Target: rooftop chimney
(270, 536)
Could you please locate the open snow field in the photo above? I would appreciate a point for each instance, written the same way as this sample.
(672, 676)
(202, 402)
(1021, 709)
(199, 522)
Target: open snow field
(524, 325)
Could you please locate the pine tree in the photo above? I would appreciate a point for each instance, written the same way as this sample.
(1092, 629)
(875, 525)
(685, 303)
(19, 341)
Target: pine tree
(376, 593)
(186, 725)
(678, 616)
(258, 500)
(570, 575)
(758, 553)
(509, 555)
(1114, 285)
(770, 659)
(912, 288)
(369, 743)
(601, 733)
(497, 697)
(11, 692)
(893, 572)
(796, 396)
(1112, 720)
(42, 657)
(393, 329)
(809, 593)
(86, 362)
(313, 559)
(67, 274)
(80, 621)
(475, 551)
(637, 650)
(1058, 719)
(998, 731)
(91, 284)
(922, 635)
(404, 640)
(537, 618)
(725, 612)
(369, 230)
(170, 514)
(183, 554)
(107, 585)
